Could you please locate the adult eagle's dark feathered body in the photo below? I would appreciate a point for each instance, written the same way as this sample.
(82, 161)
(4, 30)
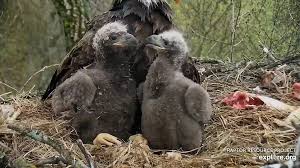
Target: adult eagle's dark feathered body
(143, 18)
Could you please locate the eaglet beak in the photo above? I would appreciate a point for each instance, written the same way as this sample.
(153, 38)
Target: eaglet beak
(177, 1)
(126, 40)
(156, 42)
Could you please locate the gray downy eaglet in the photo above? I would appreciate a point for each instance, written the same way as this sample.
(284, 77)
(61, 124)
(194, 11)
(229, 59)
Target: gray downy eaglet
(101, 98)
(174, 108)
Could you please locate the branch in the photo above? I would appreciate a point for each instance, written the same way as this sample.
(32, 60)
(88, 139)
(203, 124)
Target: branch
(287, 60)
(4, 147)
(22, 163)
(52, 160)
(86, 153)
(5, 162)
(66, 155)
(12, 88)
(37, 72)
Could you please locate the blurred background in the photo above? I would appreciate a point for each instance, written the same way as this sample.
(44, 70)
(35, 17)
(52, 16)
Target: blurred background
(36, 34)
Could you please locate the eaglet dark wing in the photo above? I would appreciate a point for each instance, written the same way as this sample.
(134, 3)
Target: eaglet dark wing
(190, 71)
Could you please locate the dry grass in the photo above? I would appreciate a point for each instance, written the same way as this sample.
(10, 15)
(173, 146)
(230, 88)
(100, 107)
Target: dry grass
(229, 129)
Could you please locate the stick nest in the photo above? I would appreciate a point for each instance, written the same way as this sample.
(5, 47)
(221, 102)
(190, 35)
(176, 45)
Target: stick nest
(229, 130)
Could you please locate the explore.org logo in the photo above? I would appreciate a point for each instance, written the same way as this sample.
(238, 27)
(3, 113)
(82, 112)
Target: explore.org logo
(277, 157)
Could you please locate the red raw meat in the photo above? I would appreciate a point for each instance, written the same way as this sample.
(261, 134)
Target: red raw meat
(296, 91)
(242, 100)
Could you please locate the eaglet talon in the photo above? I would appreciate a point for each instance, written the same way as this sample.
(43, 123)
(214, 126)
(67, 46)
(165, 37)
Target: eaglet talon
(106, 139)
(138, 139)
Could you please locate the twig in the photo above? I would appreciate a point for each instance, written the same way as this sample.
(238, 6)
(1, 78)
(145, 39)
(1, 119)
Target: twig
(9, 86)
(232, 31)
(37, 72)
(267, 51)
(86, 153)
(123, 153)
(286, 60)
(4, 94)
(22, 163)
(202, 36)
(55, 144)
(242, 71)
(178, 151)
(5, 147)
(52, 160)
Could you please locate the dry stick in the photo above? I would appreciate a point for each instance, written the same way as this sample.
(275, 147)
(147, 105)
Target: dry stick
(242, 71)
(286, 60)
(52, 160)
(5, 147)
(55, 144)
(18, 163)
(9, 86)
(4, 94)
(86, 153)
(37, 72)
(123, 153)
(232, 31)
(178, 151)
(267, 51)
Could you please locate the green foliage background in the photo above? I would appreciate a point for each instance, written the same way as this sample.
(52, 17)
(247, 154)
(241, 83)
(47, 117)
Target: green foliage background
(238, 29)
(31, 37)
(38, 33)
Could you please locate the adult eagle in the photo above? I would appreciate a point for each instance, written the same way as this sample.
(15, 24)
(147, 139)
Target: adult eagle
(143, 17)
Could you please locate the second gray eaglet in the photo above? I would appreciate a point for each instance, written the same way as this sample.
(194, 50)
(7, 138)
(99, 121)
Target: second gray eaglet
(174, 108)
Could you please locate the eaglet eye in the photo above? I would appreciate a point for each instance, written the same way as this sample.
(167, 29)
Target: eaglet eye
(166, 42)
(113, 37)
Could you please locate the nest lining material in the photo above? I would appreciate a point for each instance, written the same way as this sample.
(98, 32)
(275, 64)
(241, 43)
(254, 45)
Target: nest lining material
(227, 138)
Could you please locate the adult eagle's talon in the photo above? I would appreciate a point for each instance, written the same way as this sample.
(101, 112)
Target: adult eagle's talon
(106, 139)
